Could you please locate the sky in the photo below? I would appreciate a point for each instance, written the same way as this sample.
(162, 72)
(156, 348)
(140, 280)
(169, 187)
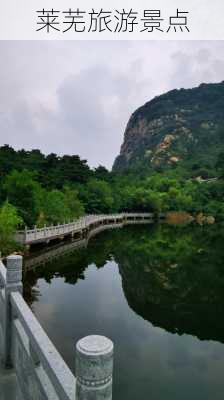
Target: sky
(76, 97)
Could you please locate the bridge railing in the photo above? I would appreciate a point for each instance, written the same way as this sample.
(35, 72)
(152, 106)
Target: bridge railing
(41, 372)
(48, 232)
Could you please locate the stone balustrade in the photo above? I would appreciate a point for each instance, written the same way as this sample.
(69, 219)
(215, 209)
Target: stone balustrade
(41, 372)
(82, 226)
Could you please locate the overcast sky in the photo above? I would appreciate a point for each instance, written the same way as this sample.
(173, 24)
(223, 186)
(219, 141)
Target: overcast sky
(77, 97)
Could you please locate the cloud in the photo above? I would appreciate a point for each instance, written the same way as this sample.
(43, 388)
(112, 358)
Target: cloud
(197, 65)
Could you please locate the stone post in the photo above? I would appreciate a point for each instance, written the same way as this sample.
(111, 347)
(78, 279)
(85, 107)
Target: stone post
(35, 231)
(94, 367)
(13, 284)
(45, 230)
(25, 234)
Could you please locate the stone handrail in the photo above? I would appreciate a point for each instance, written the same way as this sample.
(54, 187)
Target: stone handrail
(57, 250)
(41, 372)
(42, 350)
(2, 275)
(29, 236)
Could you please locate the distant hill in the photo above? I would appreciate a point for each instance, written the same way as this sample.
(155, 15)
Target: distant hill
(180, 128)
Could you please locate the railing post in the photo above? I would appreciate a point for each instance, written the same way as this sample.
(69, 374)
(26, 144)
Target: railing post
(94, 367)
(25, 234)
(13, 284)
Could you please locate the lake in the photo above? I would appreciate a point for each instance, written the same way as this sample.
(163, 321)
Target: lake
(157, 291)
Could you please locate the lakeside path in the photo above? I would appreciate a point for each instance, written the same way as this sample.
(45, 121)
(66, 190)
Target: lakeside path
(8, 381)
(8, 385)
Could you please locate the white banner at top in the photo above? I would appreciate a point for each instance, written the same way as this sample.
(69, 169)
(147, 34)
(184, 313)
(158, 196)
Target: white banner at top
(112, 20)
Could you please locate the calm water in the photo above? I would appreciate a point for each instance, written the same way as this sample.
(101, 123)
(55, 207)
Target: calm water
(157, 292)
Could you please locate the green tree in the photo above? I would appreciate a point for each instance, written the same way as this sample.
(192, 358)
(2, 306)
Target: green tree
(9, 222)
(21, 190)
(142, 200)
(178, 200)
(102, 173)
(72, 201)
(54, 207)
(97, 197)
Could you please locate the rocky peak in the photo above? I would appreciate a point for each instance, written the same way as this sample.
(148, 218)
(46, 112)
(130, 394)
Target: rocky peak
(174, 127)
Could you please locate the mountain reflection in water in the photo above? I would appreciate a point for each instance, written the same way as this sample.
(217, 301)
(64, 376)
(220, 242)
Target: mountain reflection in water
(172, 277)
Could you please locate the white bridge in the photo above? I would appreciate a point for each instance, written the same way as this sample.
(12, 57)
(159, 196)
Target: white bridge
(80, 228)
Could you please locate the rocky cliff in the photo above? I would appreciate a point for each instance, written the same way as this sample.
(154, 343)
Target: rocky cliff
(179, 127)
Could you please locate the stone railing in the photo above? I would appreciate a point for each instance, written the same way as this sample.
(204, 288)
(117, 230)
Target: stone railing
(58, 250)
(40, 370)
(81, 226)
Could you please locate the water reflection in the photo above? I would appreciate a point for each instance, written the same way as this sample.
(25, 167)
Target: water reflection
(172, 277)
(152, 290)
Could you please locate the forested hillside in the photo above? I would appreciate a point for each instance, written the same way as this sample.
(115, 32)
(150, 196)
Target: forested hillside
(181, 129)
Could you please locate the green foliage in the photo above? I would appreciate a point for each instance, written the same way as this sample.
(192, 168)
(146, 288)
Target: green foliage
(178, 201)
(51, 170)
(54, 207)
(40, 197)
(37, 205)
(102, 173)
(141, 199)
(9, 222)
(21, 190)
(73, 203)
(58, 207)
(97, 197)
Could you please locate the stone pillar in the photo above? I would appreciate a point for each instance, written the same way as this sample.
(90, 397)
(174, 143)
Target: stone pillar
(94, 367)
(45, 230)
(13, 284)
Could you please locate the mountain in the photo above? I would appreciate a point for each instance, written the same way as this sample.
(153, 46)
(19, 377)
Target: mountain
(179, 128)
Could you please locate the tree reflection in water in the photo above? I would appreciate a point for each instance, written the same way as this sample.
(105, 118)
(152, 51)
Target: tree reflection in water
(172, 276)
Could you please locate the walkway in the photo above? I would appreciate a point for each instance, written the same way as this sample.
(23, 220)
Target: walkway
(80, 228)
(8, 385)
